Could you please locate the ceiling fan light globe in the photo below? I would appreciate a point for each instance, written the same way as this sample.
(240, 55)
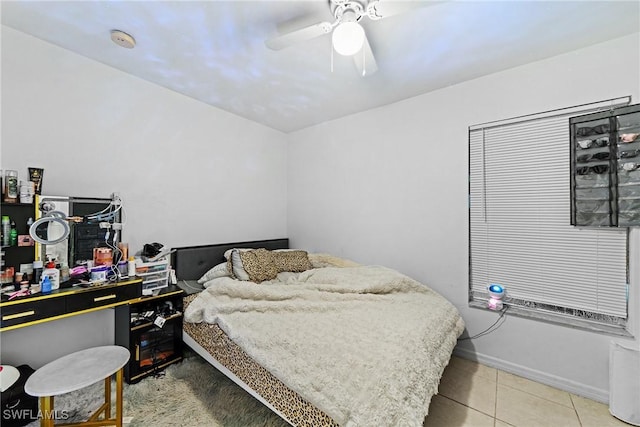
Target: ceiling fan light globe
(348, 38)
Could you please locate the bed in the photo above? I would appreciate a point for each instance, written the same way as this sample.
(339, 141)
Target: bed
(319, 340)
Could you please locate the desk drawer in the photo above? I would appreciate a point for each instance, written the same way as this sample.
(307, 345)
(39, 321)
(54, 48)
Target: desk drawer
(100, 297)
(31, 310)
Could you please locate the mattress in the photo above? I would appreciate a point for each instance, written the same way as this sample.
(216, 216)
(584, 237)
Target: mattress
(271, 340)
(286, 402)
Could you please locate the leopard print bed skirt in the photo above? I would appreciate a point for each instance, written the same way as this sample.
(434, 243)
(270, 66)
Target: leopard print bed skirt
(288, 402)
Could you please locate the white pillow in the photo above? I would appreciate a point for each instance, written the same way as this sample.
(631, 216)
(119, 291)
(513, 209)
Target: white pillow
(219, 270)
(236, 264)
(227, 253)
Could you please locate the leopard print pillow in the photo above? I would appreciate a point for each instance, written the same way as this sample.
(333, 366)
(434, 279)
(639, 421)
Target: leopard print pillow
(294, 261)
(259, 265)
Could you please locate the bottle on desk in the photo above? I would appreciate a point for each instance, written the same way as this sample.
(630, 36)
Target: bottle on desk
(45, 287)
(53, 274)
(132, 268)
(64, 272)
(6, 230)
(13, 235)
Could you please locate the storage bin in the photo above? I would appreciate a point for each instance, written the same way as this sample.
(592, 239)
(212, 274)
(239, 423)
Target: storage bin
(627, 177)
(595, 180)
(628, 219)
(594, 128)
(605, 166)
(154, 275)
(592, 206)
(601, 193)
(629, 191)
(592, 143)
(628, 122)
(629, 205)
(592, 219)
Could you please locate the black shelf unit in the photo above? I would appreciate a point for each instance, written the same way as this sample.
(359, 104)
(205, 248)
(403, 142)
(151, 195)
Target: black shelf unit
(13, 256)
(605, 168)
(151, 329)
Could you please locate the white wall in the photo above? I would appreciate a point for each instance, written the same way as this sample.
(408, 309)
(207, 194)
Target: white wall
(389, 186)
(188, 173)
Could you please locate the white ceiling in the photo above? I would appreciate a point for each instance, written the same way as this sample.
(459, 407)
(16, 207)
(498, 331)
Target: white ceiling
(214, 51)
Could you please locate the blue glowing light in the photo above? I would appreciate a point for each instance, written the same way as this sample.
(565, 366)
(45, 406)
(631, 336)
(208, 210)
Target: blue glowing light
(496, 288)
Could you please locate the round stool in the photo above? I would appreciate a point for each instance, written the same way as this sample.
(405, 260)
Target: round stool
(76, 371)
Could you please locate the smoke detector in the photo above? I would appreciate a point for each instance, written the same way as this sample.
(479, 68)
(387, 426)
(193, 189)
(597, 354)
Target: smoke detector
(122, 39)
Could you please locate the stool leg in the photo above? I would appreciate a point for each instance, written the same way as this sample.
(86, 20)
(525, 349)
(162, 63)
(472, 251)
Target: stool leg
(46, 408)
(119, 376)
(107, 397)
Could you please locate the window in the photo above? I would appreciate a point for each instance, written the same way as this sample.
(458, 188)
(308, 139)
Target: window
(520, 232)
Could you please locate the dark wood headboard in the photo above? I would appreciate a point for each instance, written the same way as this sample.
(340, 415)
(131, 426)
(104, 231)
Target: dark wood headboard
(191, 262)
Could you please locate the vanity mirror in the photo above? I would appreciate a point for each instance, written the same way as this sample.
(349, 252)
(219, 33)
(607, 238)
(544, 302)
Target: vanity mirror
(50, 229)
(69, 228)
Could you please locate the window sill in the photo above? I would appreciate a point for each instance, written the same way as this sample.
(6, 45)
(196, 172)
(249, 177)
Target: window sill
(558, 319)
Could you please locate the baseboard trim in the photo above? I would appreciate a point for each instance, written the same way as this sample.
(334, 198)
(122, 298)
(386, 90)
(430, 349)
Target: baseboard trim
(570, 386)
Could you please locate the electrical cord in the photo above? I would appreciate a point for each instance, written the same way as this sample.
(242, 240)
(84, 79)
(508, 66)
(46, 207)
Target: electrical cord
(110, 215)
(490, 328)
(115, 258)
(123, 214)
(117, 253)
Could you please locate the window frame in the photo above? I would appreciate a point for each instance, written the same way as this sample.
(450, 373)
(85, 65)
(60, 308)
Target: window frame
(543, 311)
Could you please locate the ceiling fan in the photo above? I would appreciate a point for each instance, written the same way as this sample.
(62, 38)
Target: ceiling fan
(348, 38)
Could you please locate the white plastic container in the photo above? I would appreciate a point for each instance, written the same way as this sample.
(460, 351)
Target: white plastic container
(99, 273)
(53, 274)
(131, 267)
(27, 190)
(624, 376)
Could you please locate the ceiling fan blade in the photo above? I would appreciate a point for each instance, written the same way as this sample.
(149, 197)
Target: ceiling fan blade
(364, 60)
(384, 8)
(297, 36)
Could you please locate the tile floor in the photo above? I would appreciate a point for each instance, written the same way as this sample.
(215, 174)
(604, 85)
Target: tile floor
(474, 395)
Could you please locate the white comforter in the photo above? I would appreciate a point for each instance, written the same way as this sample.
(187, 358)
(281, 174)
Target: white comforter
(366, 345)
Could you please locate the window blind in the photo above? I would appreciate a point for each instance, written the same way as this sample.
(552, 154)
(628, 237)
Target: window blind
(520, 232)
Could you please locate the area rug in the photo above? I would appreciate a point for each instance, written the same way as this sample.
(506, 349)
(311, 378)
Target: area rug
(190, 393)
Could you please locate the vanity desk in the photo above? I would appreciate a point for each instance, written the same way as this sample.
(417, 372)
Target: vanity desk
(65, 302)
